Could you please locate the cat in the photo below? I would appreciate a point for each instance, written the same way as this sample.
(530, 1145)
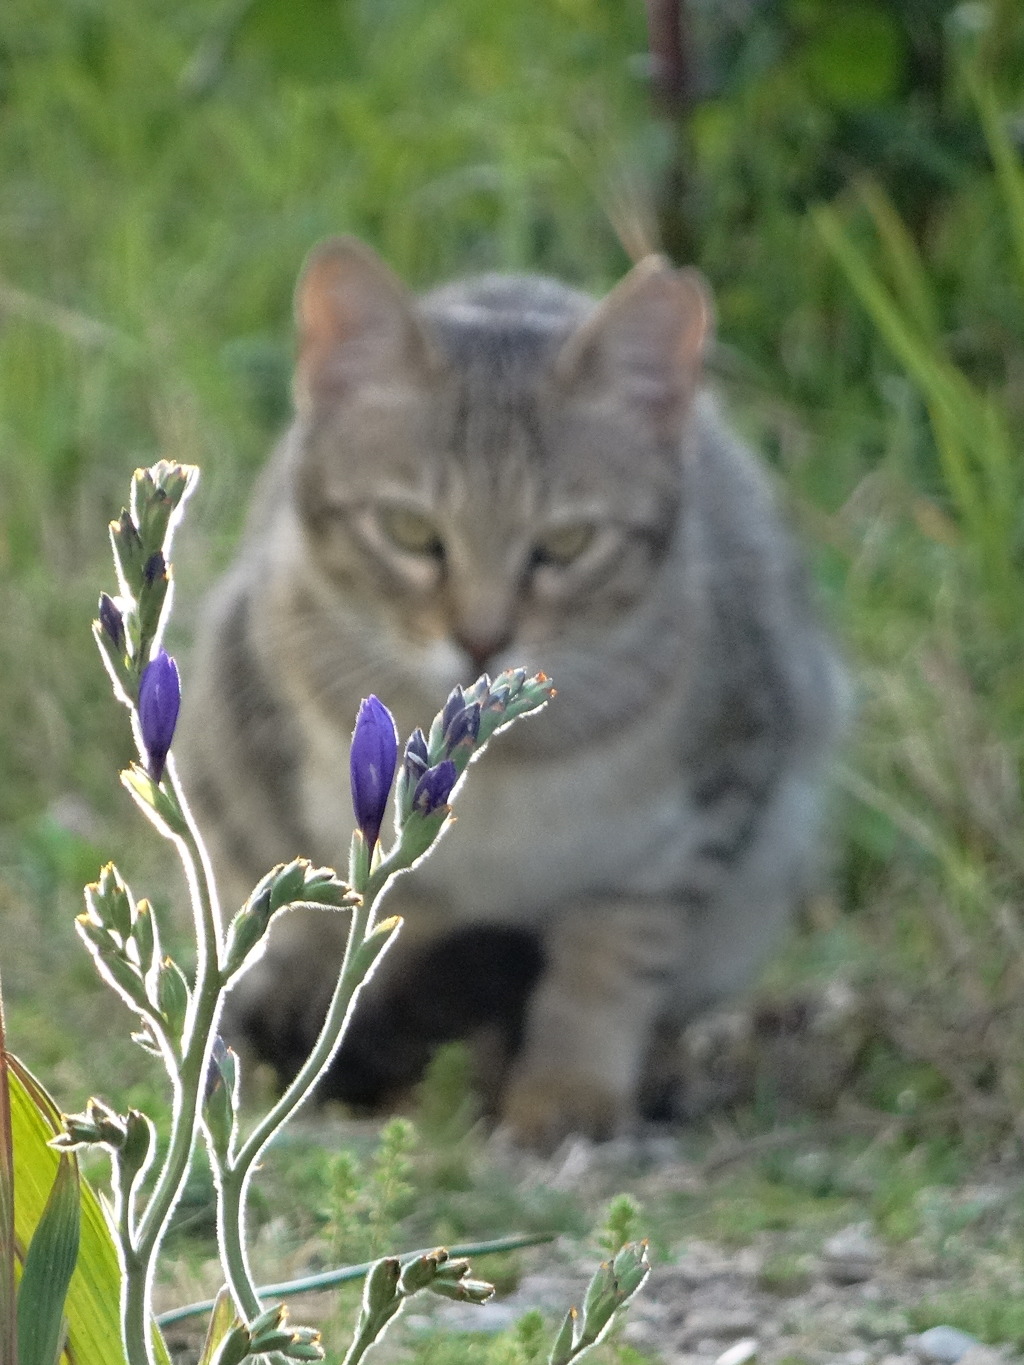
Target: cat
(505, 472)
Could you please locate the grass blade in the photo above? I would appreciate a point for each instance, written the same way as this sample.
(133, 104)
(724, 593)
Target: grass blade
(910, 279)
(49, 1265)
(1009, 172)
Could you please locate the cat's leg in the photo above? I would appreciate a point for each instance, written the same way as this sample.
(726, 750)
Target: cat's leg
(438, 981)
(609, 971)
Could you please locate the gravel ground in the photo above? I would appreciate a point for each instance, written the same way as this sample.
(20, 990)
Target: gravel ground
(845, 1297)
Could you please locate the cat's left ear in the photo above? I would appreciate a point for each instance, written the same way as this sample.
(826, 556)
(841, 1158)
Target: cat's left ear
(644, 341)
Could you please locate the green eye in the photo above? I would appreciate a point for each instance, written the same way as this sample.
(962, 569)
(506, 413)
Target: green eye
(410, 531)
(562, 545)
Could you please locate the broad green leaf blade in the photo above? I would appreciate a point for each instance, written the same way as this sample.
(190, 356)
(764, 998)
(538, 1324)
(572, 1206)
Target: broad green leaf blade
(49, 1265)
(7, 1242)
(93, 1305)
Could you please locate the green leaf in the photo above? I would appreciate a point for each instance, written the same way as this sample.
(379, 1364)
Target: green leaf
(222, 1320)
(93, 1302)
(49, 1265)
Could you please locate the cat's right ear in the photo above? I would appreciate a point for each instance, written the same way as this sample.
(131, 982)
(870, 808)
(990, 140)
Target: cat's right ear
(355, 324)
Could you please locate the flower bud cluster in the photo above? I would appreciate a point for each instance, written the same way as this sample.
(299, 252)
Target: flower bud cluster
(472, 715)
(431, 764)
(129, 626)
(613, 1285)
(122, 936)
(389, 1283)
(269, 1332)
(129, 1137)
(287, 884)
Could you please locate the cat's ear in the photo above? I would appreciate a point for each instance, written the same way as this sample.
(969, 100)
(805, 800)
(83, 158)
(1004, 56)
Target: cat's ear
(644, 341)
(355, 323)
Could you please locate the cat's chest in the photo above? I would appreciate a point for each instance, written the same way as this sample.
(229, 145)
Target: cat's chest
(530, 834)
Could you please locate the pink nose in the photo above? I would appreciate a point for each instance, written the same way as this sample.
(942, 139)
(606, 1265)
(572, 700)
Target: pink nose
(482, 646)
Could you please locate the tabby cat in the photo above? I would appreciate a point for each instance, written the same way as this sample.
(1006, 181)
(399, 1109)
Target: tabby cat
(506, 473)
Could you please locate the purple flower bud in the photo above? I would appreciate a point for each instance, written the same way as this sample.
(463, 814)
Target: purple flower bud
(215, 1068)
(155, 567)
(455, 703)
(112, 621)
(159, 700)
(372, 761)
(463, 728)
(416, 760)
(479, 689)
(434, 788)
(498, 698)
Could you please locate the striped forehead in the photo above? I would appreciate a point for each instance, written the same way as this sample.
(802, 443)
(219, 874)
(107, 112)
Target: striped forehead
(496, 365)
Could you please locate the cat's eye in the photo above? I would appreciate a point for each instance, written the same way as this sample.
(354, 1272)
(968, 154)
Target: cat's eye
(410, 531)
(563, 545)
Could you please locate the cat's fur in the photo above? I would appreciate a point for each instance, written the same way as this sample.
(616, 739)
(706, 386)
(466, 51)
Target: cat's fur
(619, 862)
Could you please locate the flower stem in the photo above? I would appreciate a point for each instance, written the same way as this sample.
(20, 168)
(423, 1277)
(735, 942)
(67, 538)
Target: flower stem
(236, 1173)
(188, 1078)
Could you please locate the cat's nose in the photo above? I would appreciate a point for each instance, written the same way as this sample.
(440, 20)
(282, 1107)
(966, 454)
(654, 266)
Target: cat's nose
(482, 645)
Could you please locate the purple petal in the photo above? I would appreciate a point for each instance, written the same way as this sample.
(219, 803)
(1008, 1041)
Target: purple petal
(159, 701)
(372, 761)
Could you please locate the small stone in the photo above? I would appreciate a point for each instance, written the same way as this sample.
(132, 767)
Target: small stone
(943, 1345)
(852, 1255)
(739, 1354)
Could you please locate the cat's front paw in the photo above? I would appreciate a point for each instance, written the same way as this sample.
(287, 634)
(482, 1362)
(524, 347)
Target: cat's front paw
(543, 1107)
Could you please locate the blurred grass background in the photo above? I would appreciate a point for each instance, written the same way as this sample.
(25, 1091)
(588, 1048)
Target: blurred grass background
(854, 195)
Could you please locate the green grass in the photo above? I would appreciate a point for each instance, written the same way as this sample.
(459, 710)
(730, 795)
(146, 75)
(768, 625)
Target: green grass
(163, 171)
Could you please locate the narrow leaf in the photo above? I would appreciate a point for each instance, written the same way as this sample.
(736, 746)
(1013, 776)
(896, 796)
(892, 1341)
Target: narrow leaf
(222, 1320)
(1009, 171)
(49, 1265)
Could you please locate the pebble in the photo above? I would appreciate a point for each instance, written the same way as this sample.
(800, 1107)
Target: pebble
(852, 1255)
(943, 1345)
(739, 1354)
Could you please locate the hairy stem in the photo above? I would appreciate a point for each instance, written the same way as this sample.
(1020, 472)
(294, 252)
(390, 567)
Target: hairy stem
(189, 1080)
(136, 1319)
(236, 1173)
